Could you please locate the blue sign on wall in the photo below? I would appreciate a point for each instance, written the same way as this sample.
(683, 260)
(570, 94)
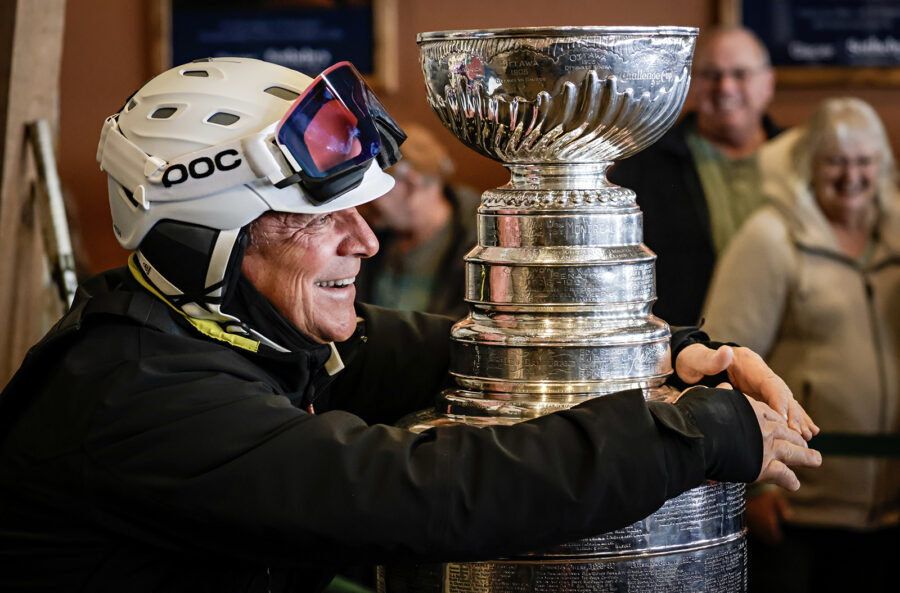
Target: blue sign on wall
(827, 32)
(305, 39)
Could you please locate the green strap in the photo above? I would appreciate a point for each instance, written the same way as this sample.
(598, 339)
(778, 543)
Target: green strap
(857, 445)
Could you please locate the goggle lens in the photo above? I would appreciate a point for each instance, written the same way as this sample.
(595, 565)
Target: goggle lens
(332, 136)
(329, 129)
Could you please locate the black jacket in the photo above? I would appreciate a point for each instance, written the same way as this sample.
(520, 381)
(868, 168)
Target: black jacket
(139, 455)
(676, 220)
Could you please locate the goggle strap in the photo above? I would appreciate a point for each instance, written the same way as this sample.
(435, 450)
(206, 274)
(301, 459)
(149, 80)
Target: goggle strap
(260, 151)
(119, 157)
(288, 181)
(390, 153)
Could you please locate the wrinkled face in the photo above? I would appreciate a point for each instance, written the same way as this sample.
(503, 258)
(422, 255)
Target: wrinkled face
(733, 85)
(845, 175)
(305, 264)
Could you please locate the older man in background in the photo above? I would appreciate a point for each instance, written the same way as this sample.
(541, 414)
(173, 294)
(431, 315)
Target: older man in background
(701, 180)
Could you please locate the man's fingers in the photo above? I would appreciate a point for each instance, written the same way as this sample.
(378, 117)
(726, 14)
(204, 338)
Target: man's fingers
(720, 360)
(800, 421)
(783, 432)
(778, 473)
(776, 393)
(782, 447)
(697, 361)
(751, 375)
(793, 454)
(811, 426)
(748, 373)
(804, 456)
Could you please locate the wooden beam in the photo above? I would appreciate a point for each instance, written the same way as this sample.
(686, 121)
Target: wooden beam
(30, 60)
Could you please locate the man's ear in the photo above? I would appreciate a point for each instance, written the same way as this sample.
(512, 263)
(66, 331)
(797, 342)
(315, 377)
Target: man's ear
(247, 240)
(769, 82)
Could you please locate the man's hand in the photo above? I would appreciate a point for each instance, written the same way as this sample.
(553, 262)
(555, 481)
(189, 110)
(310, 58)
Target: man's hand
(749, 374)
(765, 512)
(782, 447)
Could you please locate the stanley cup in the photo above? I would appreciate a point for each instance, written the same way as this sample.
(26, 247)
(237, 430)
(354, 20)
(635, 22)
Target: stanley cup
(560, 286)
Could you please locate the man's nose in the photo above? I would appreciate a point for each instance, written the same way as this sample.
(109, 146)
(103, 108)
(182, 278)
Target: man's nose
(359, 240)
(727, 82)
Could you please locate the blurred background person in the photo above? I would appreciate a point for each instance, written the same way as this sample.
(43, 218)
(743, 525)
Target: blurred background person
(425, 227)
(812, 282)
(700, 181)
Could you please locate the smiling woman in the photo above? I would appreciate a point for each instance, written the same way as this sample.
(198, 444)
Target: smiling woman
(811, 282)
(846, 157)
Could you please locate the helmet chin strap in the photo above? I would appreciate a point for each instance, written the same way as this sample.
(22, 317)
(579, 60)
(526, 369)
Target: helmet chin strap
(213, 255)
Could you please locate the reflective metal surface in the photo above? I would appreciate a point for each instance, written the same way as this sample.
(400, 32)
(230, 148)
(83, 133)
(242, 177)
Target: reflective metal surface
(560, 286)
(564, 94)
(694, 543)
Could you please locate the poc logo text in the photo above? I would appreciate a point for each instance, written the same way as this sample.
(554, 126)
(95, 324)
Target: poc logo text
(200, 167)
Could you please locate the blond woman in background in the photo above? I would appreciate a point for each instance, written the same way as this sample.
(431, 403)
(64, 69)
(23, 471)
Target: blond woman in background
(812, 283)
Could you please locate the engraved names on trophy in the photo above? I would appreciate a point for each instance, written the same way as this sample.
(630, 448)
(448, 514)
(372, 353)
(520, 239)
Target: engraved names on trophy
(710, 570)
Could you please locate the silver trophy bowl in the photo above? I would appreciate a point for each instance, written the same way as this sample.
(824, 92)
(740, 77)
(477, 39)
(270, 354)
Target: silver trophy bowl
(560, 285)
(558, 95)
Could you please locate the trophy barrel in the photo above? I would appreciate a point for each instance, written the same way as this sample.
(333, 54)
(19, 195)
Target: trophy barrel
(560, 286)
(694, 543)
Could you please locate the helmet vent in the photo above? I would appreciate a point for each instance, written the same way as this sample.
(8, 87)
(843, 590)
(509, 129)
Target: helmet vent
(282, 93)
(223, 119)
(164, 112)
(197, 73)
(131, 105)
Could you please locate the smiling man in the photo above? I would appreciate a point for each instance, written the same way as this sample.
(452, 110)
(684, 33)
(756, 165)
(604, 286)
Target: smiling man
(330, 246)
(702, 179)
(217, 415)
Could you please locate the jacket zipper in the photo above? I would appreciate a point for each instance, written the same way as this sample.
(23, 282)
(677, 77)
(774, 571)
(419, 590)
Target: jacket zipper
(879, 354)
(882, 385)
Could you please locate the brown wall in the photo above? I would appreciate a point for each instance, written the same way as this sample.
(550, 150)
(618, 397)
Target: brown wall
(106, 57)
(104, 60)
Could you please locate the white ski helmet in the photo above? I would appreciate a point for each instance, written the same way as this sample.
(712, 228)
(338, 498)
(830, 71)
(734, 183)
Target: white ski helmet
(205, 148)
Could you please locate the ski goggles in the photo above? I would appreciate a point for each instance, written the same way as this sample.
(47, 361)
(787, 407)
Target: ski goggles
(333, 130)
